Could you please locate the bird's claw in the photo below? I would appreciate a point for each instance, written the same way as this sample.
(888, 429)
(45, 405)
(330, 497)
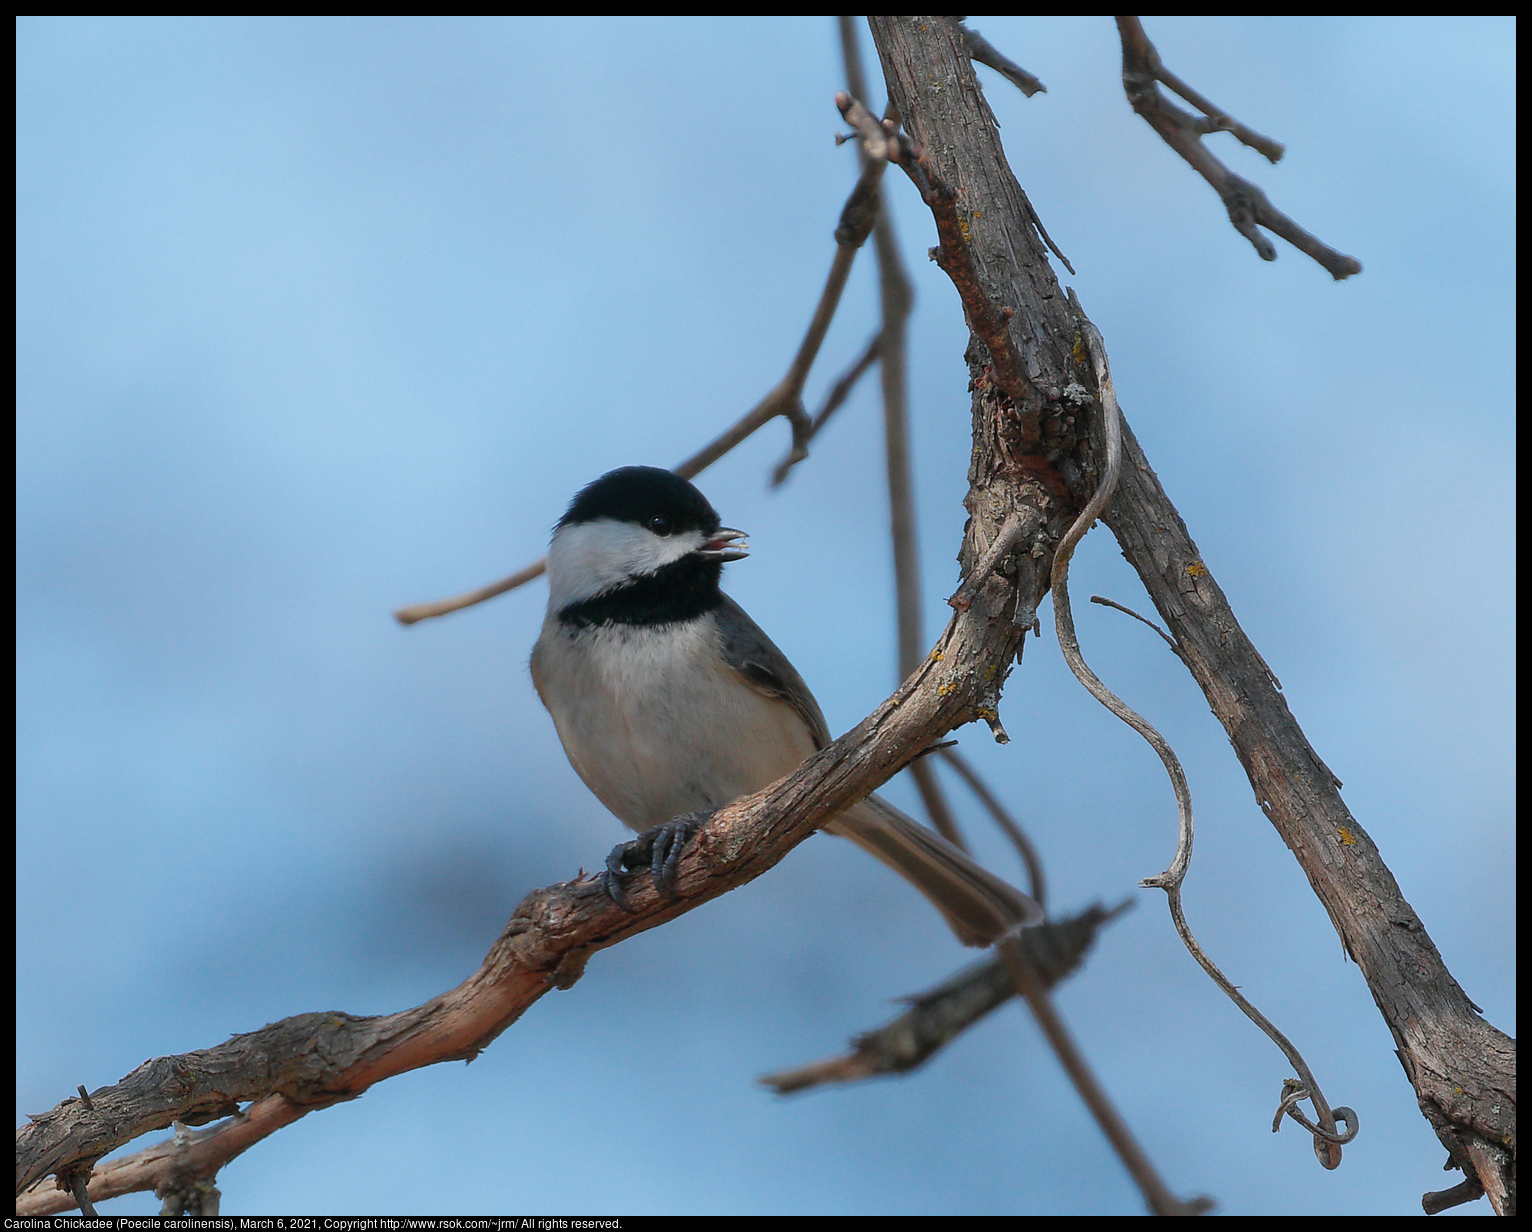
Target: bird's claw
(659, 849)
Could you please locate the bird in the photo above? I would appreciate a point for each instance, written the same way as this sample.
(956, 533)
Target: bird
(670, 701)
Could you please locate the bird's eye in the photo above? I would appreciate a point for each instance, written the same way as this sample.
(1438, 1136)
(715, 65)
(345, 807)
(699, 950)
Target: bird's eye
(661, 525)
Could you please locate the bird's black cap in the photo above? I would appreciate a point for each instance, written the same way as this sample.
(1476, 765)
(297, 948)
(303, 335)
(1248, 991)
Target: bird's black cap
(640, 494)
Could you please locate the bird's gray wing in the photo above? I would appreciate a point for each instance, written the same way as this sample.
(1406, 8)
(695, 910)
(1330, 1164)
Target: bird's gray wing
(766, 669)
(978, 905)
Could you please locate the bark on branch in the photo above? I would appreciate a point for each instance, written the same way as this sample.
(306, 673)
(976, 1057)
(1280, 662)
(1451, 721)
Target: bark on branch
(311, 1061)
(939, 1015)
(1249, 208)
(1025, 438)
(1031, 460)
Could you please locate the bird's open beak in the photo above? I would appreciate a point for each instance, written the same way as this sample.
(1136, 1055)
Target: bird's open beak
(725, 544)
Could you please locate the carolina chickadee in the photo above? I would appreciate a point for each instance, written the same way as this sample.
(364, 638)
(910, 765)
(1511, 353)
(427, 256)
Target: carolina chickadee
(670, 701)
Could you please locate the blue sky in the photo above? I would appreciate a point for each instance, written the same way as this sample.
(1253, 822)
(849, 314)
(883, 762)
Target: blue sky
(320, 316)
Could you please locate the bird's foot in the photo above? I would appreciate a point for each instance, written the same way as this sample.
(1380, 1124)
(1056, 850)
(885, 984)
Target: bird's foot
(658, 849)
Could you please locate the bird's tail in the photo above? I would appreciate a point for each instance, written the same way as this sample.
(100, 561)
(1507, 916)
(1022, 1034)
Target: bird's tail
(977, 905)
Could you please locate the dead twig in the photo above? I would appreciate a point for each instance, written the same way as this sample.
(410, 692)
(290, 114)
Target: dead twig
(939, 1015)
(983, 51)
(1037, 886)
(856, 222)
(1248, 207)
(836, 397)
(440, 607)
(1327, 1139)
(785, 399)
(896, 297)
(1156, 1193)
(1169, 641)
(1014, 531)
(79, 1179)
(1467, 1190)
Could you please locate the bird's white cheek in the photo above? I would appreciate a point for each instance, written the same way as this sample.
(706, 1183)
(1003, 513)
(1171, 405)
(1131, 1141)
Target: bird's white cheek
(591, 558)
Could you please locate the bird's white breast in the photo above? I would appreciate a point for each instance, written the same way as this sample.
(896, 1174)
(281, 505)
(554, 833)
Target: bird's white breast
(655, 722)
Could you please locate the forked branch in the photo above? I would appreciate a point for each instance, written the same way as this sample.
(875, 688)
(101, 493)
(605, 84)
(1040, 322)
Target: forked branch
(987, 54)
(1249, 208)
(939, 1015)
(1327, 1139)
(785, 399)
(302, 1064)
(1462, 1068)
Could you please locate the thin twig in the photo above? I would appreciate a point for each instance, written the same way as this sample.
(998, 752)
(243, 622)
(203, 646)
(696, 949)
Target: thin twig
(1037, 886)
(1030, 985)
(786, 397)
(1327, 1141)
(983, 51)
(1169, 641)
(1019, 526)
(896, 300)
(1470, 1189)
(856, 84)
(896, 296)
(79, 1181)
(838, 394)
(1248, 206)
(856, 222)
(1218, 120)
(1042, 231)
(440, 607)
(851, 57)
(939, 1015)
(936, 806)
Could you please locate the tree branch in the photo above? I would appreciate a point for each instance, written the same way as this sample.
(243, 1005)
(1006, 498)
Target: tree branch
(1327, 1139)
(1018, 526)
(1015, 435)
(896, 299)
(1037, 885)
(1248, 206)
(1462, 1069)
(985, 52)
(313, 1060)
(938, 1016)
(785, 399)
(1157, 1194)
